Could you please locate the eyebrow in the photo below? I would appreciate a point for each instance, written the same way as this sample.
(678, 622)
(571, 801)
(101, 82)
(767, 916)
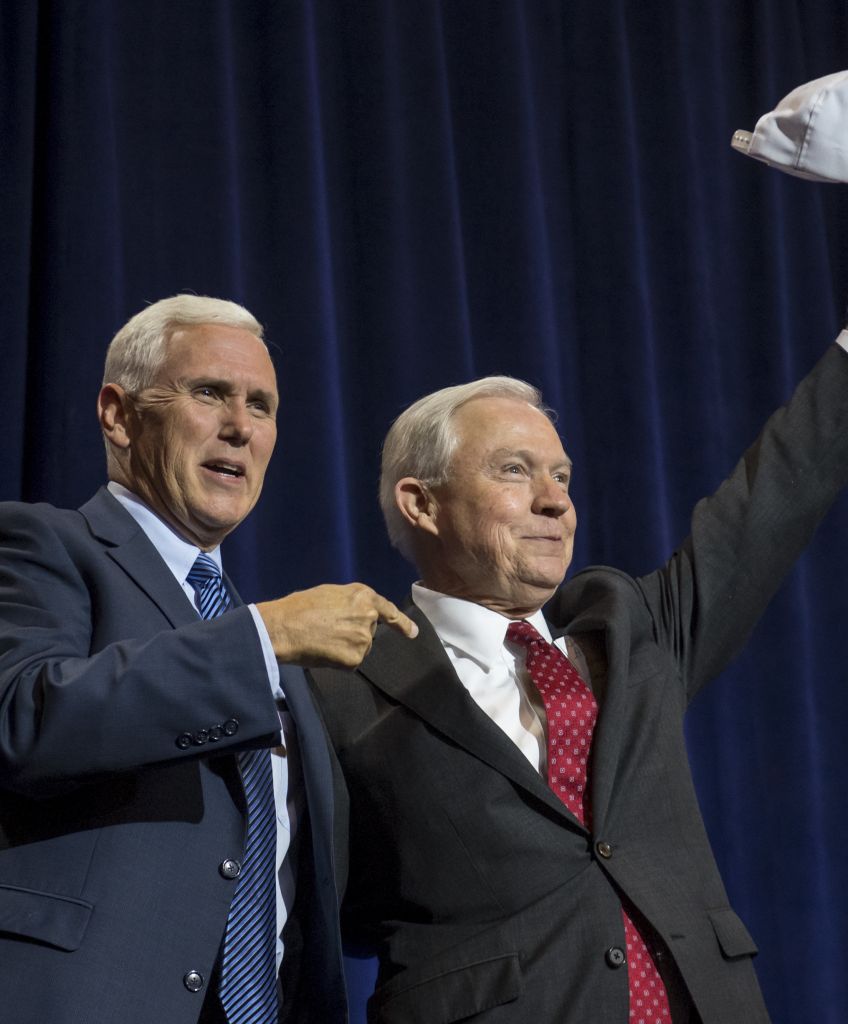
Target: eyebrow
(528, 456)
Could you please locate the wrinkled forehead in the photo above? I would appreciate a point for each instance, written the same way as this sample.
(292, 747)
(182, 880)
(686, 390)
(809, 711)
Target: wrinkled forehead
(494, 423)
(195, 347)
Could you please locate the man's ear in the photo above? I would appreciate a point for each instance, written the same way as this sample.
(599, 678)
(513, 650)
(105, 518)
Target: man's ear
(417, 505)
(113, 413)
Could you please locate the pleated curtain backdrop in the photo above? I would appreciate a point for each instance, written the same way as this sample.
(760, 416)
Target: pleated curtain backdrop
(412, 193)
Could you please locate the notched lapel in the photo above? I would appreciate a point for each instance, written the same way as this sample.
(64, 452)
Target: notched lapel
(593, 609)
(127, 545)
(315, 765)
(418, 674)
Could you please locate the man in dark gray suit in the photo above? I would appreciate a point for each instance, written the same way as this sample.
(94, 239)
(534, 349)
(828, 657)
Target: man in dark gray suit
(526, 845)
(129, 700)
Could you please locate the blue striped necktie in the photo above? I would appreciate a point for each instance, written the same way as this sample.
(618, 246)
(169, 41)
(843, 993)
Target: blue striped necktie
(248, 984)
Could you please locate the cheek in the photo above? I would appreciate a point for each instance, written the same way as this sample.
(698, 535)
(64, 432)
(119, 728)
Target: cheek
(183, 446)
(171, 457)
(494, 525)
(499, 544)
(264, 450)
(505, 511)
(571, 519)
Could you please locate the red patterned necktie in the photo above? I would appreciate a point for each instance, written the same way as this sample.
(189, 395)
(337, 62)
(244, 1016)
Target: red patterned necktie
(572, 711)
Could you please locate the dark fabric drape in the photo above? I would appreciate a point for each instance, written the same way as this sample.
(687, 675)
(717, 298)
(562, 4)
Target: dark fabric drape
(411, 193)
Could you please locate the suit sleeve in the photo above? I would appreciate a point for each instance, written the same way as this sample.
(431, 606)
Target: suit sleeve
(706, 600)
(73, 705)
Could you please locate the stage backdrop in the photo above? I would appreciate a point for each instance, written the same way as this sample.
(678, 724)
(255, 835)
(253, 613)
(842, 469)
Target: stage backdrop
(410, 194)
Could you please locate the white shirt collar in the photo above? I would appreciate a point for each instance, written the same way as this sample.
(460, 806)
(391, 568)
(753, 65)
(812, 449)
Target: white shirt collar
(468, 627)
(178, 553)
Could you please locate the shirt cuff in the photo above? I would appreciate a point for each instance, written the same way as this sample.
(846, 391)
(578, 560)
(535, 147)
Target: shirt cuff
(843, 339)
(271, 665)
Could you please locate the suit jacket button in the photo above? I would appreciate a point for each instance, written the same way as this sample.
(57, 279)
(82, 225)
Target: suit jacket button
(230, 868)
(604, 850)
(215, 733)
(200, 737)
(230, 727)
(193, 981)
(184, 740)
(615, 957)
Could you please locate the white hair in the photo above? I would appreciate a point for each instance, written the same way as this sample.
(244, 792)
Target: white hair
(138, 349)
(422, 440)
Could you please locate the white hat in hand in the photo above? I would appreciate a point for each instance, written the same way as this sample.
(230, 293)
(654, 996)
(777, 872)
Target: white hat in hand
(807, 132)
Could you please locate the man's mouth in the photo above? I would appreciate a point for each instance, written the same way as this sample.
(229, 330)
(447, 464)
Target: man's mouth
(227, 469)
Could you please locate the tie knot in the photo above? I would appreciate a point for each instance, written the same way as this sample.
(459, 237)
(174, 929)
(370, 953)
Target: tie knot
(203, 570)
(213, 599)
(521, 632)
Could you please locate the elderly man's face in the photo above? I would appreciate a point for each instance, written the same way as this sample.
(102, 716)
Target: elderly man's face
(504, 521)
(202, 434)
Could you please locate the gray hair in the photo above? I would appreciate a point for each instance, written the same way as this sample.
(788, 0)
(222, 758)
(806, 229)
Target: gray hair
(422, 440)
(138, 349)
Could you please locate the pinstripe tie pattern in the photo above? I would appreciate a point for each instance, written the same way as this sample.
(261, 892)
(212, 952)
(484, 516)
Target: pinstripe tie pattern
(248, 984)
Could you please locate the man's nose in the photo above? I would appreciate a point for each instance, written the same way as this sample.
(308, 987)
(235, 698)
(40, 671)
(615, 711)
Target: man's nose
(237, 423)
(549, 498)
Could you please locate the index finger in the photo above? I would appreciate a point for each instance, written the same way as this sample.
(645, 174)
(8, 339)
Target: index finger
(394, 617)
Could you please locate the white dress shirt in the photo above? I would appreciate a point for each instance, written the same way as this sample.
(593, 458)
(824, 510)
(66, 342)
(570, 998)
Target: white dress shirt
(492, 669)
(179, 555)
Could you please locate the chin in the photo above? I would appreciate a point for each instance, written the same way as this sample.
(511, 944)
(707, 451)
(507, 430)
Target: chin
(223, 517)
(537, 590)
(547, 579)
(213, 529)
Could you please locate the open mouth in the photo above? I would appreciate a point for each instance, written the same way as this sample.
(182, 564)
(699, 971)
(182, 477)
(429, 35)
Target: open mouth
(225, 469)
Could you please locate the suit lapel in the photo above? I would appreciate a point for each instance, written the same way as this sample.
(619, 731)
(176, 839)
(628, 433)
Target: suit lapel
(314, 756)
(589, 612)
(128, 545)
(419, 675)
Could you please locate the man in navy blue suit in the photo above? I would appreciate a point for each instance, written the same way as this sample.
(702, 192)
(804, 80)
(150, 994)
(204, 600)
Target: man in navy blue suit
(122, 710)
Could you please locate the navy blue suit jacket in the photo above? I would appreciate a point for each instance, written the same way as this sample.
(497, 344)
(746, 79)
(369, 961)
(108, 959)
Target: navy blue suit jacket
(120, 712)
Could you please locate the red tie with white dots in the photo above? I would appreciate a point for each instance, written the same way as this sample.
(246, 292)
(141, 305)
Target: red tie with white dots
(572, 711)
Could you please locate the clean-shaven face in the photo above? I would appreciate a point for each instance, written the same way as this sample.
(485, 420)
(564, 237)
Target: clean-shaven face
(201, 435)
(504, 520)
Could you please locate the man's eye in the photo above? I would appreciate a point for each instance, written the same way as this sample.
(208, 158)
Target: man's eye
(205, 391)
(514, 469)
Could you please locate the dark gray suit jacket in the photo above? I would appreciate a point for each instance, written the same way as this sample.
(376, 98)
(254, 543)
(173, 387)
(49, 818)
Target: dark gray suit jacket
(120, 712)
(483, 896)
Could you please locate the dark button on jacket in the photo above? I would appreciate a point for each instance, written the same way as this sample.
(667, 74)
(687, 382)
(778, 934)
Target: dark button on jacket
(615, 957)
(230, 868)
(193, 981)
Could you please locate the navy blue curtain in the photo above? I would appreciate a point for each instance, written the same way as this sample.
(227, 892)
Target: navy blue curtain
(412, 193)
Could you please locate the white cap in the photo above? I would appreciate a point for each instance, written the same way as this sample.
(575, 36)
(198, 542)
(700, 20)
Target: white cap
(807, 132)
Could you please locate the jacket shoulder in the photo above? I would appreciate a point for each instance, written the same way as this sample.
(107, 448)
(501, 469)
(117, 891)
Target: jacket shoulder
(24, 518)
(598, 590)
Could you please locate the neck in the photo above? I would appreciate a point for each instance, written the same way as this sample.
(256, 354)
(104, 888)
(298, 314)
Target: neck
(507, 606)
